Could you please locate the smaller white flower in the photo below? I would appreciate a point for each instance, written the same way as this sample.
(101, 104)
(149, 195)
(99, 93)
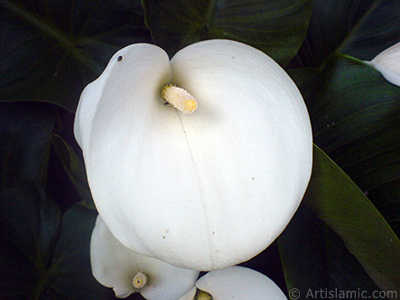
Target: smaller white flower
(234, 283)
(127, 272)
(388, 63)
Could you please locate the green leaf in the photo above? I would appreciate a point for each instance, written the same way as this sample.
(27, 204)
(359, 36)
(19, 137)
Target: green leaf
(275, 27)
(54, 48)
(75, 169)
(303, 252)
(339, 203)
(346, 272)
(25, 130)
(29, 228)
(44, 256)
(375, 32)
(70, 274)
(305, 79)
(358, 28)
(315, 259)
(354, 113)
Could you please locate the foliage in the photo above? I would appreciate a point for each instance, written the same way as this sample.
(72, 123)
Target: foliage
(344, 235)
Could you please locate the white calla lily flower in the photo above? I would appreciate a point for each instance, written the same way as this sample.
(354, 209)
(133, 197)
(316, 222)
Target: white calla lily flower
(127, 272)
(210, 180)
(235, 283)
(388, 63)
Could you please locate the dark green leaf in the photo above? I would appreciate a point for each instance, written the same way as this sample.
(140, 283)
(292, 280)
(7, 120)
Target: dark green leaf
(303, 253)
(305, 79)
(25, 130)
(339, 203)
(376, 31)
(43, 256)
(275, 27)
(29, 229)
(355, 116)
(52, 49)
(75, 169)
(358, 28)
(315, 259)
(346, 272)
(69, 275)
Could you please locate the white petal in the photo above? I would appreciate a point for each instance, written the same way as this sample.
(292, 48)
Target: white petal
(114, 265)
(251, 140)
(206, 190)
(133, 64)
(388, 63)
(239, 283)
(111, 120)
(189, 295)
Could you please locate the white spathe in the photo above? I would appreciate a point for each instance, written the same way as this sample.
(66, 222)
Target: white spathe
(237, 283)
(202, 191)
(114, 265)
(388, 63)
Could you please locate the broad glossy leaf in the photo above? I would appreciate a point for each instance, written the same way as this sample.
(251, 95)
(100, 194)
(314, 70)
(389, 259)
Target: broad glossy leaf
(44, 255)
(29, 228)
(52, 49)
(302, 250)
(25, 142)
(70, 274)
(354, 112)
(275, 27)
(308, 246)
(377, 30)
(358, 28)
(339, 203)
(305, 79)
(346, 272)
(74, 167)
(355, 116)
